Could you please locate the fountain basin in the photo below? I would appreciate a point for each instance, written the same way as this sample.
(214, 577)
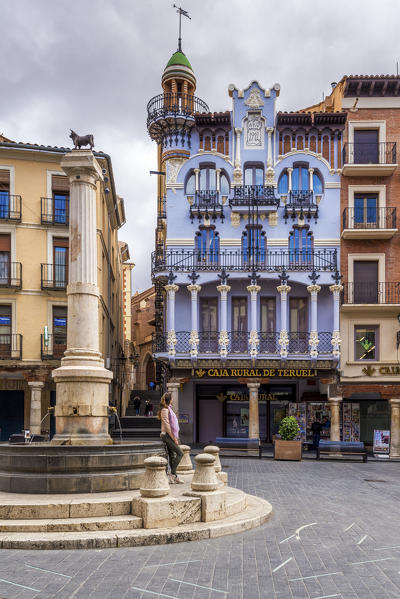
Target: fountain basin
(41, 468)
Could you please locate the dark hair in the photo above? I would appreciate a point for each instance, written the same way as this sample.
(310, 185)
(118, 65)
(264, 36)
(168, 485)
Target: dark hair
(164, 403)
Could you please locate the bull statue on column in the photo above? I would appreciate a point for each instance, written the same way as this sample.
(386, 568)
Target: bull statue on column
(81, 140)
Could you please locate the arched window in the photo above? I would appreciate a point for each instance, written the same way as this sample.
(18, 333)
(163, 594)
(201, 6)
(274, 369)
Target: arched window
(208, 178)
(301, 243)
(283, 185)
(191, 184)
(300, 180)
(253, 174)
(207, 245)
(254, 245)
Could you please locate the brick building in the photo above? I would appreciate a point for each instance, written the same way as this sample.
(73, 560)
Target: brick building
(143, 310)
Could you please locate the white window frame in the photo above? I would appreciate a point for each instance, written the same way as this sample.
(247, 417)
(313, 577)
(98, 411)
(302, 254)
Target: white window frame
(380, 190)
(357, 125)
(50, 305)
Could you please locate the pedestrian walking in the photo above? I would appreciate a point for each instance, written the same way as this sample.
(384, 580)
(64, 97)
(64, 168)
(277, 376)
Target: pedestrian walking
(170, 435)
(146, 407)
(150, 409)
(136, 405)
(316, 429)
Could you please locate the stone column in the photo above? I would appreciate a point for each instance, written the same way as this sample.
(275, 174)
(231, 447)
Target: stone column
(217, 179)
(237, 173)
(223, 326)
(290, 171)
(336, 340)
(82, 382)
(171, 289)
(173, 388)
(36, 407)
(394, 428)
(283, 336)
(194, 334)
(196, 175)
(269, 173)
(310, 179)
(313, 340)
(254, 341)
(155, 481)
(254, 427)
(334, 403)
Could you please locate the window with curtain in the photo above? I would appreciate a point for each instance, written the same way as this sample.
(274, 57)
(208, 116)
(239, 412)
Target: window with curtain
(207, 245)
(301, 243)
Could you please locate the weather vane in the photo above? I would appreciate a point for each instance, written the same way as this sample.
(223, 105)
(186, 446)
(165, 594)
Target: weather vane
(185, 14)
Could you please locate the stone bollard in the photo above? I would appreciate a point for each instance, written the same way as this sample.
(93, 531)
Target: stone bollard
(214, 450)
(185, 465)
(155, 481)
(204, 478)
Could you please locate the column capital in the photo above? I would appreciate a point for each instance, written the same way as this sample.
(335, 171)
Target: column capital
(194, 288)
(218, 170)
(336, 400)
(269, 130)
(238, 130)
(311, 170)
(39, 385)
(253, 386)
(289, 169)
(173, 385)
(313, 288)
(172, 287)
(196, 170)
(78, 163)
(253, 288)
(336, 287)
(223, 288)
(395, 402)
(283, 288)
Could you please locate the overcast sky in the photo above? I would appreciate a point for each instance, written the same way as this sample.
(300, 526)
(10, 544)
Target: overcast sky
(92, 65)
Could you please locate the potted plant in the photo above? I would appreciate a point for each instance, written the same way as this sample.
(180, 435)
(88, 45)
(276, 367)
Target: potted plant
(287, 447)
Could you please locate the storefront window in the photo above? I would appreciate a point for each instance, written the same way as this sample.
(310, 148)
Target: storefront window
(366, 341)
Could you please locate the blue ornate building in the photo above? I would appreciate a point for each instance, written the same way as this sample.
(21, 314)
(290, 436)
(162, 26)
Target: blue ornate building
(246, 264)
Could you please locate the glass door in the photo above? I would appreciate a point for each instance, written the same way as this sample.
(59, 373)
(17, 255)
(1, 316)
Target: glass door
(60, 252)
(209, 325)
(268, 325)
(298, 319)
(239, 340)
(365, 211)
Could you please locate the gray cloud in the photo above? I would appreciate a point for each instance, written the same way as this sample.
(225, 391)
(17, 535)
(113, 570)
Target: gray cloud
(93, 65)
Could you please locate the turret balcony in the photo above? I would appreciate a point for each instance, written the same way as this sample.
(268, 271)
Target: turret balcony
(169, 111)
(262, 197)
(369, 159)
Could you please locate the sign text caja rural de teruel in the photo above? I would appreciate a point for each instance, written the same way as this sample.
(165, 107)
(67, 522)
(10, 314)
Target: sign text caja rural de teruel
(256, 372)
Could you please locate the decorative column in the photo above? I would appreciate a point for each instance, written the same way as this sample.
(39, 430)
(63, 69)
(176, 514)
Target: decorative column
(254, 340)
(194, 334)
(394, 428)
(196, 178)
(217, 179)
(310, 179)
(36, 407)
(336, 340)
(283, 336)
(237, 173)
(223, 340)
(334, 404)
(82, 382)
(313, 340)
(171, 289)
(290, 171)
(254, 427)
(269, 173)
(173, 388)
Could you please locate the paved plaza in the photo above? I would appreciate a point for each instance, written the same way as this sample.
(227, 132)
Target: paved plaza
(334, 533)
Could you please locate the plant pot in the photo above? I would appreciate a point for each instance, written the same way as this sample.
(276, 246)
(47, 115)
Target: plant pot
(287, 450)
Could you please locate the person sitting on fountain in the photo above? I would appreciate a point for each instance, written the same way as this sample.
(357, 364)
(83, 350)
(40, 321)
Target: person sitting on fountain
(170, 435)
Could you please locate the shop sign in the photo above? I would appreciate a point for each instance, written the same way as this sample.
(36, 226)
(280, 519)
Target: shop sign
(255, 372)
(381, 371)
(381, 442)
(244, 397)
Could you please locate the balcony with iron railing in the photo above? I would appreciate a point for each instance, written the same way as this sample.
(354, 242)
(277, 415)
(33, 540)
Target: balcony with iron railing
(369, 158)
(174, 109)
(261, 197)
(302, 204)
(238, 343)
(10, 346)
(53, 346)
(207, 204)
(370, 294)
(54, 277)
(369, 222)
(238, 260)
(55, 212)
(10, 207)
(11, 275)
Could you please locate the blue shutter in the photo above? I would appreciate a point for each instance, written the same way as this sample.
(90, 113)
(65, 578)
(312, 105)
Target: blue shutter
(244, 247)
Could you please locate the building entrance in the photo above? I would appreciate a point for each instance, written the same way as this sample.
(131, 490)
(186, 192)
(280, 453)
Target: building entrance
(11, 413)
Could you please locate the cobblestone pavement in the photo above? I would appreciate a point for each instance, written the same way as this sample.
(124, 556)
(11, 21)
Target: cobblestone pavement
(334, 533)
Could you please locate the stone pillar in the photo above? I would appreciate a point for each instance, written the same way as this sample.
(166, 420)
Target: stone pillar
(334, 403)
(313, 340)
(270, 161)
(218, 179)
(82, 382)
(394, 428)
(173, 388)
(237, 173)
(155, 481)
(204, 477)
(336, 340)
(194, 335)
(36, 407)
(171, 289)
(254, 427)
(283, 336)
(214, 450)
(254, 341)
(196, 175)
(223, 325)
(290, 171)
(310, 179)
(185, 466)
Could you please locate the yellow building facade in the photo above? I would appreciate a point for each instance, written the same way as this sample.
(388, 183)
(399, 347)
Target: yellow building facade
(34, 256)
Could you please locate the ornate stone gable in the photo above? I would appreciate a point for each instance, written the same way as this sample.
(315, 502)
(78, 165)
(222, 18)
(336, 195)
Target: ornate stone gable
(254, 100)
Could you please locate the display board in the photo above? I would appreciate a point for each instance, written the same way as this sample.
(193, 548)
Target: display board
(381, 442)
(351, 421)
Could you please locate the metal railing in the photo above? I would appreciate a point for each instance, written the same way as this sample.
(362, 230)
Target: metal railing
(254, 195)
(174, 104)
(10, 207)
(10, 346)
(11, 274)
(206, 202)
(301, 199)
(371, 293)
(54, 276)
(383, 152)
(53, 346)
(238, 260)
(369, 218)
(54, 212)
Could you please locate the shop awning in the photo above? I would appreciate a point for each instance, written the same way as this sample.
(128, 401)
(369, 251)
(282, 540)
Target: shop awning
(365, 396)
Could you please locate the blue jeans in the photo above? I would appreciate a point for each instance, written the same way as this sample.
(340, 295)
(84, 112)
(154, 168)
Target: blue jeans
(315, 440)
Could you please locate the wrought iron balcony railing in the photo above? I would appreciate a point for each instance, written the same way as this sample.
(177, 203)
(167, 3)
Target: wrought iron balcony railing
(53, 346)
(54, 276)
(254, 195)
(55, 212)
(238, 260)
(10, 207)
(175, 104)
(206, 203)
(11, 274)
(10, 346)
(383, 152)
(371, 293)
(369, 218)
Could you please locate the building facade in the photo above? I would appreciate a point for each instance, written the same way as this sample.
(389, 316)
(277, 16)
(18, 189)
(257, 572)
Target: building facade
(143, 321)
(34, 255)
(246, 266)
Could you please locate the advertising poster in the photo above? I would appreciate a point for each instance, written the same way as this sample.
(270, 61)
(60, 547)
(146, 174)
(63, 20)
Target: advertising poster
(244, 417)
(381, 442)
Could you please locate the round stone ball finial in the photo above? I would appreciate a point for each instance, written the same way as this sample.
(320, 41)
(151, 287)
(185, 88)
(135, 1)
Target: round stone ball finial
(155, 480)
(204, 478)
(214, 450)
